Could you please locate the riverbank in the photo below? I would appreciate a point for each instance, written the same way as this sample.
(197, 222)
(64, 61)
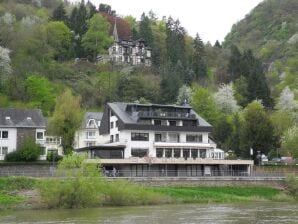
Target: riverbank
(26, 193)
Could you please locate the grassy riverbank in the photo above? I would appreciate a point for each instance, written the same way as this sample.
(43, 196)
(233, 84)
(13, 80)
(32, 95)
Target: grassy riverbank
(16, 192)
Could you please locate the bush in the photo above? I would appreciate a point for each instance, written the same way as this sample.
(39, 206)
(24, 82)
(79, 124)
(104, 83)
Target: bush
(29, 151)
(292, 185)
(53, 156)
(79, 187)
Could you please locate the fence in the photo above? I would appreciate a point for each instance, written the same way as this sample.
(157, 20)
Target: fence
(52, 172)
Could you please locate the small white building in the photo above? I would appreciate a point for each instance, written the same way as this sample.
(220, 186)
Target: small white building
(18, 124)
(88, 134)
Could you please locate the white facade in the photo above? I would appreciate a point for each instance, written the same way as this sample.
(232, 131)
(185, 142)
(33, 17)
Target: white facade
(88, 135)
(162, 144)
(8, 141)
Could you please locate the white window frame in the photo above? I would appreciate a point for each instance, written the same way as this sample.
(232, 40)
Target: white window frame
(1, 150)
(1, 134)
(37, 135)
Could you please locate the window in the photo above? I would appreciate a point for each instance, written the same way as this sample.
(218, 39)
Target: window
(90, 134)
(203, 153)
(159, 152)
(157, 122)
(168, 153)
(177, 153)
(112, 138)
(88, 144)
(111, 124)
(194, 138)
(39, 135)
(174, 137)
(91, 123)
(116, 124)
(186, 153)
(172, 123)
(139, 152)
(42, 150)
(158, 137)
(194, 153)
(189, 123)
(140, 136)
(3, 150)
(4, 134)
(117, 138)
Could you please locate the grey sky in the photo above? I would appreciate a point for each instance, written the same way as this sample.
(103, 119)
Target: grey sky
(212, 19)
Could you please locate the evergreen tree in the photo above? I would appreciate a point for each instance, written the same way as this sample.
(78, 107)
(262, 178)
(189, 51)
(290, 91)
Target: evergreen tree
(199, 65)
(59, 14)
(91, 9)
(217, 44)
(235, 63)
(222, 131)
(234, 139)
(175, 44)
(145, 31)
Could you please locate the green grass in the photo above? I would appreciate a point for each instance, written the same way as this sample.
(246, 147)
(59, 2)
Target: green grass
(218, 194)
(16, 183)
(6, 199)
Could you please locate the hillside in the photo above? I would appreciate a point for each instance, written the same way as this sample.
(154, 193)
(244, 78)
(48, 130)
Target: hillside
(271, 30)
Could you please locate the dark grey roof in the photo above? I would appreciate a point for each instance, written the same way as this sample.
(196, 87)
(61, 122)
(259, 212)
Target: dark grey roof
(21, 118)
(97, 116)
(130, 120)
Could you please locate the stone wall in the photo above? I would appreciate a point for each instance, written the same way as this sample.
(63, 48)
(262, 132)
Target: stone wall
(23, 169)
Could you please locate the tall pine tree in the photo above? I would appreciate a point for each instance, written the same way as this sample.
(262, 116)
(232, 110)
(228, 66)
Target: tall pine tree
(59, 14)
(198, 64)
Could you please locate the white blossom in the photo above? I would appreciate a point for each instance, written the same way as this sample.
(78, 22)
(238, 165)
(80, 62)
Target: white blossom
(5, 68)
(225, 99)
(7, 19)
(184, 95)
(286, 100)
(30, 21)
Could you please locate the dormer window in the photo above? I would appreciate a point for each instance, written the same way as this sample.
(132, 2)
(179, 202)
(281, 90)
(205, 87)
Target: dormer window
(91, 123)
(39, 135)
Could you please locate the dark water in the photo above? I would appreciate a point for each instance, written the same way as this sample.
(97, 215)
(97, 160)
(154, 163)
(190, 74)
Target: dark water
(185, 213)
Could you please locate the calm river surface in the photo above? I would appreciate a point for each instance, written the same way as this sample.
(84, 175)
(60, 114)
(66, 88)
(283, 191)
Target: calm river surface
(184, 213)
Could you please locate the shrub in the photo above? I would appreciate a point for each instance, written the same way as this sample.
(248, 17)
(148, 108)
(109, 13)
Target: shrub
(29, 151)
(53, 156)
(79, 187)
(292, 185)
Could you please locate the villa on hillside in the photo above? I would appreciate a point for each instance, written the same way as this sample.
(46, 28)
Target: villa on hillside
(158, 140)
(18, 124)
(132, 52)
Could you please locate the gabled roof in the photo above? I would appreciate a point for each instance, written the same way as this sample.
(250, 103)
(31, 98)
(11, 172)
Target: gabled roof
(97, 116)
(19, 118)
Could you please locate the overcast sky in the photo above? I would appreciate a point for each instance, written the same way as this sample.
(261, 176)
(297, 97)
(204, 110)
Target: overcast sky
(212, 19)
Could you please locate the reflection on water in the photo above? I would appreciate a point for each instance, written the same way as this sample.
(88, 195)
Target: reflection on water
(184, 213)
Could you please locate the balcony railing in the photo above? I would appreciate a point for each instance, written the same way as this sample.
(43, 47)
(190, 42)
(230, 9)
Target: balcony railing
(147, 114)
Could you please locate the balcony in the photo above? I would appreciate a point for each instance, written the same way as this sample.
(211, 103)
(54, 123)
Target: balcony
(168, 115)
(184, 144)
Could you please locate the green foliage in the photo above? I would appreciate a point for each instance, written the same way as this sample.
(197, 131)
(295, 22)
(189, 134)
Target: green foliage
(16, 183)
(53, 156)
(204, 104)
(257, 130)
(292, 186)
(97, 38)
(6, 199)
(78, 188)
(29, 151)
(59, 38)
(290, 142)
(66, 119)
(41, 93)
(199, 66)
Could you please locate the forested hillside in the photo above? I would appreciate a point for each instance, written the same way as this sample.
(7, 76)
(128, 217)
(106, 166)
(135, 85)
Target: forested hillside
(246, 87)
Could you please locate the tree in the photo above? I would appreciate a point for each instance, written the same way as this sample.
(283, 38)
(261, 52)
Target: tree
(59, 37)
(204, 104)
(290, 142)
(66, 119)
(235, 135)
(225, 100)
(59, 14)
(258, 132)
(217, 44)
(5, 68)
(286, 101)
(97, 38)
(198, 64)
(41, 92)
(184, 95)
(235, 63)
(222, 132)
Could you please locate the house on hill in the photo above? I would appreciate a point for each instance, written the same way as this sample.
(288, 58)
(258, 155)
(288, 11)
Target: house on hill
(128, 51)
(159, 140)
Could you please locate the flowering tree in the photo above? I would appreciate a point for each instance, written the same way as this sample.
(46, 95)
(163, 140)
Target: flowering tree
(225, 100)
(286, 100)
(5, 68)
(184, 95)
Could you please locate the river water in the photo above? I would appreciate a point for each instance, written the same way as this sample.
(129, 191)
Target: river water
(260, 212)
